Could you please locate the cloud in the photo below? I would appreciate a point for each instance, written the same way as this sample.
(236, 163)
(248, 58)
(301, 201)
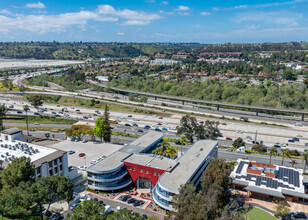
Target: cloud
(182, 8)
(35, 5)
(266, 5)
(43, 24)
(165, 2)
(6, 12)
(205, 13)
(183, 13)
(150, 1)
(283, 18)
(120, 33)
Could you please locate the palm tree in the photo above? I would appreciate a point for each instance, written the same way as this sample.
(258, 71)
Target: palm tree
(305, 159)
(285, 154)
(183, 141)
(293, 162)
(161, 148)
(171, 152)
(272, 152)
(26, 109)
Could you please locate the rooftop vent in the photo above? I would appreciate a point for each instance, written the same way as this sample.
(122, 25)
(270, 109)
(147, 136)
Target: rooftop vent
(201, 149)
(197, 154)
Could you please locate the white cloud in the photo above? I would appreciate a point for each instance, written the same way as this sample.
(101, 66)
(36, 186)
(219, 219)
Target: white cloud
(165, 2)
(266, 5)
(6, 12)
(182, 8)
(35, 5)
(205, 13)
(43, 24)
(151, 1)
(120, 33)
(183, 13)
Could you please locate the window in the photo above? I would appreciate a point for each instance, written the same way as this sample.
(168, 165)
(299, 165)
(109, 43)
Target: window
(146, 171)
(60, 159)
(60, 167)
(38, 170)
(6, 137)
(50, 172)
(56, 169)
(141, 170)
(134, 168)
(154, 173)
(55, 162)
(50, 164)
(129, 168)
(158, 174)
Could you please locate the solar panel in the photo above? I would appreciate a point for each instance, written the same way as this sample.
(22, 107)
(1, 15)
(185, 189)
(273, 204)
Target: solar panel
(258, 182)
(240, 167)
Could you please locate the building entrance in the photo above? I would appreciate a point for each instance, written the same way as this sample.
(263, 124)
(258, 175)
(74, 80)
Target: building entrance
(144, 183)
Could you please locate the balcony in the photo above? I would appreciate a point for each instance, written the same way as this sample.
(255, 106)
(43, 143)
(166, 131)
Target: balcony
(108, 178)
(161, 202)
(112, 186)
(162, 193)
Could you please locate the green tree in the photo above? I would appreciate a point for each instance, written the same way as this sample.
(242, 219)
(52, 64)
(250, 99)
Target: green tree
(293, 162)
(3, 110)
(282, 209)
(99, 128)
(187, 127)
(183, 141)
(26, 109)
(239, 142)
(36, 100)
(124, 214)
(171, 152)
(305, 160)
(272, 152)
(87, 210)
(285, 154)
(106, 123)
(19, 170)
(259, 148)
(161, 147)
(211, 130)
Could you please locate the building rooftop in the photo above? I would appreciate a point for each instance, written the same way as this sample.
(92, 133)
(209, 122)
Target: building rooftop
(37, 154)
(188, 164)
(149, 160)
(271, 182)
(11, 131)
(115, 159)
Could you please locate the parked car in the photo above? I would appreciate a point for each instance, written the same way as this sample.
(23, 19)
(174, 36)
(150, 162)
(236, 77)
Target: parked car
(136, 203)
(81, 155)
(71, 152)
(131, 200)
(84, 141)
(277, 146)
(124, 197)
(94, 161)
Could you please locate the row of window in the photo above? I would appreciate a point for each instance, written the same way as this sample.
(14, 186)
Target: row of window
(146, 171)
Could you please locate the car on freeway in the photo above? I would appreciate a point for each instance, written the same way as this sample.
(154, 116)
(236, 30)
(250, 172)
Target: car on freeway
(239, 131)
(57, 115)
(157, 129)
(94, 114)
(224, 123)
(79, 113)
(135, 124)
(299, 135)
(295, 139)
(164, 129)
(277, 146)
(140, 130)
(53, 113)
(160, 118)
(77, 110)
(128, 125)
(129, 116)
(201, 122)
(84, 141)
(19, 112)
(36, 123)
(71, 152)
(229, 139)
(36, 113)
(147, 127)
(32, 129)
(81, 155)
(298, 124)
(11, 106)
(306, 144)
(292, 141)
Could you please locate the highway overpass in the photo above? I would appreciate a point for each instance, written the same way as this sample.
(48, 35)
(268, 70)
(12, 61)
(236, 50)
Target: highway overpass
(257, 109)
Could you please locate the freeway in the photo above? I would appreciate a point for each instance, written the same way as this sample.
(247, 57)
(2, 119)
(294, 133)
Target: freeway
(218, 104)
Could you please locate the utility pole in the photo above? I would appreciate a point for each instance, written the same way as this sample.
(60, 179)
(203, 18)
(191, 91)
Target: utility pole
(256, 135)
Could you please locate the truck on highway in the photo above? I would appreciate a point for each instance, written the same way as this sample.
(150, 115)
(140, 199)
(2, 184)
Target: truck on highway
(114, 121)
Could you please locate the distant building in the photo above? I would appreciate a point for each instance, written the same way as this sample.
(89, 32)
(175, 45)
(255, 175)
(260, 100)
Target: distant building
(270, 181)
(47, 161)
(102, 79)
(135, 165)
(164, 62)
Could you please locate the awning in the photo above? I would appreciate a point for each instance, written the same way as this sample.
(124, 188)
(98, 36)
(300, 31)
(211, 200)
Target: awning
(264, 191)
(294, 193)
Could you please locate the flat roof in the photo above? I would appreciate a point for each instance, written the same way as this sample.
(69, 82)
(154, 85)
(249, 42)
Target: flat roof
(188, 164)
(152, 161)
(111, 162)
(143, 142)
(11, 131)
(39, 154)
(264, 191)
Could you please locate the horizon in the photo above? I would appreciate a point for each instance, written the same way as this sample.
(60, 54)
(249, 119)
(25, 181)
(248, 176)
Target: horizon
(150, 21)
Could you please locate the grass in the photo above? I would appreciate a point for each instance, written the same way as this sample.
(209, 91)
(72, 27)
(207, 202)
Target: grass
(42, 119)
(13, 88)
(259, 214)
(37, 128)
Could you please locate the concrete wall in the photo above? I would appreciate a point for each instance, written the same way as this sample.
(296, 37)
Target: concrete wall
(13, 137)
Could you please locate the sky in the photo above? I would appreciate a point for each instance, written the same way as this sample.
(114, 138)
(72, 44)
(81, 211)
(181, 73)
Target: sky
(204, 21)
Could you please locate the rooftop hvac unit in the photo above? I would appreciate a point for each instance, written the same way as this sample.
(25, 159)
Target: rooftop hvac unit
(197, 154)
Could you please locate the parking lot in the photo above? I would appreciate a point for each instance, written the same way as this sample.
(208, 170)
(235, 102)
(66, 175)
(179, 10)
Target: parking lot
(91, 150)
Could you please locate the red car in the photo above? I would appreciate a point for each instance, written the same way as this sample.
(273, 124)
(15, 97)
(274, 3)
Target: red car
(81, 154)
(160, 118)
(229, 139)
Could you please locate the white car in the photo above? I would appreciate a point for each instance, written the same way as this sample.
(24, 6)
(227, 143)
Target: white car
(299, 135)
(239, 131)
(298, 124)
(36, 123)
(94, 161)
